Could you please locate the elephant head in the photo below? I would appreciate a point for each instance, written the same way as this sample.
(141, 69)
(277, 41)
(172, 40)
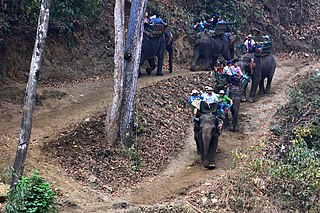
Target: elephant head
(208, 139)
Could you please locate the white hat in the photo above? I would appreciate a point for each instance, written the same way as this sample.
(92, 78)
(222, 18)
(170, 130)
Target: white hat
(194, 91)
(209, 88)
(221, 92)
(250, 36)
(266, 37)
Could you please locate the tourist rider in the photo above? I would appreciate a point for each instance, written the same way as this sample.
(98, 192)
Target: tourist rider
(199, 26)
(220, 20)
(249, 43)
(225, 103)
(194, 97)
(157, 20)
(211, 98)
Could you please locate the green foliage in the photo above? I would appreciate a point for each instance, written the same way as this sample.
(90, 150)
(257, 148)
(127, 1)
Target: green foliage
(31, 195)
(64, 14)
(134, 158)
(286, 180)
(297, 177)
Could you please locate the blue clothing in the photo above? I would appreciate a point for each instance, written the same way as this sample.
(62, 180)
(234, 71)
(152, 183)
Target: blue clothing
(224, 108)
(194, 97)
(157, 21)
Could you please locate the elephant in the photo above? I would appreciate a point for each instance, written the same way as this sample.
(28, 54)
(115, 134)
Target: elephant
(209, 48)
(231, 43)
(259, 69)
(235, 93)
(152, 47)
(206, 136)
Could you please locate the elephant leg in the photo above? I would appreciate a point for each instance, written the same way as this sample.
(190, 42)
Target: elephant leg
(214, 61)
(196, 57)
(261, 87)
(212, 152)
(226, 121)
(170, 51)
(152, 66)
(197, 139)
(235, 114)
(207, 61)
(160, 64)
(142, 60)
(253, 90)
(268, 87)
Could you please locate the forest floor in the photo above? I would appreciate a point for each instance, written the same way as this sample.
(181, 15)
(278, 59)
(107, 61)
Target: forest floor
(71, 103)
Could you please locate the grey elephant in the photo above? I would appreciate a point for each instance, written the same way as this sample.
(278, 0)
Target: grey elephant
(206, 136)
(153, 47)
(169, 47)
(259, 68)
(235, 93)
(209, 48)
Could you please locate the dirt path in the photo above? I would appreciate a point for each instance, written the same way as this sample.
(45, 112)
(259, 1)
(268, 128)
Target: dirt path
(185, 172)
(85, 99)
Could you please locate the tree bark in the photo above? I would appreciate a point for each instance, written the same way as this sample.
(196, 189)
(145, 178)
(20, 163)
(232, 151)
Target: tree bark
(133, 46)
(119, 117)
(31, 88)
(113, 117)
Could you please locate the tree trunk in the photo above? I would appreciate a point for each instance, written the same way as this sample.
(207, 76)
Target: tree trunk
(119, 117)
(113, 117)
(133, 46)
(31, 89)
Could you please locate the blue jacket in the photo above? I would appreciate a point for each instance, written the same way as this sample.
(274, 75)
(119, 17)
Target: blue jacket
(157, 21)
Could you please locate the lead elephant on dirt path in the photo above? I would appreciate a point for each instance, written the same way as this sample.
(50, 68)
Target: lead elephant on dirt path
(259, 68)
(155, 47)
(206, 136)
(209, 48)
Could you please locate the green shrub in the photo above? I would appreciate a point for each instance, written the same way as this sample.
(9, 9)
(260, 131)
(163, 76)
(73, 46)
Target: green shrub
(31, 195)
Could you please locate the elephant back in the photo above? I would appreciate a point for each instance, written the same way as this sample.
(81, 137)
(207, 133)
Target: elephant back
(155, 31)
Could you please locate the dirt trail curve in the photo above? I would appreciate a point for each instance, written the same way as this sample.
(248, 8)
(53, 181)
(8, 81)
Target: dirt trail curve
(85, 99)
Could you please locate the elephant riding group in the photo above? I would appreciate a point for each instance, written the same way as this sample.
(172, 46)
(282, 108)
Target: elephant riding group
(253, 64)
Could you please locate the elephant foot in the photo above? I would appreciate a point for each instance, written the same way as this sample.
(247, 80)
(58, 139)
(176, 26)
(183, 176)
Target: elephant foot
(159, 74)
(192, 69)
(251, 100)
(149, 70)
(261, 92)
(209, 165)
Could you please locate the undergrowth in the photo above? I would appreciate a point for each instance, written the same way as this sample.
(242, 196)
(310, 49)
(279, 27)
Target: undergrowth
(283, 174)
(31, 195)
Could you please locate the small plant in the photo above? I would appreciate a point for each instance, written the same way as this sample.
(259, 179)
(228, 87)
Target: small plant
(31, 195)
(134, 158)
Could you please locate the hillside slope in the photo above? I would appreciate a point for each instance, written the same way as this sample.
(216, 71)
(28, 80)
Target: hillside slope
(293, 27)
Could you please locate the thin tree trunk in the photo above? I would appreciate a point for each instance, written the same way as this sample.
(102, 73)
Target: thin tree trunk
(113, 117)
(133, 46)
(31, 89)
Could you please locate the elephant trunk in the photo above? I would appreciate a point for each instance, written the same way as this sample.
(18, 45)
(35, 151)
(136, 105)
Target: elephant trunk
(206, 140)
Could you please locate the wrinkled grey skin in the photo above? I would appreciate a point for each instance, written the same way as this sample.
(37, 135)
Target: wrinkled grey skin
(235, 93)
(169, 47)
(153, 47)
(206, 137)
(264, 69)
(209, 48)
